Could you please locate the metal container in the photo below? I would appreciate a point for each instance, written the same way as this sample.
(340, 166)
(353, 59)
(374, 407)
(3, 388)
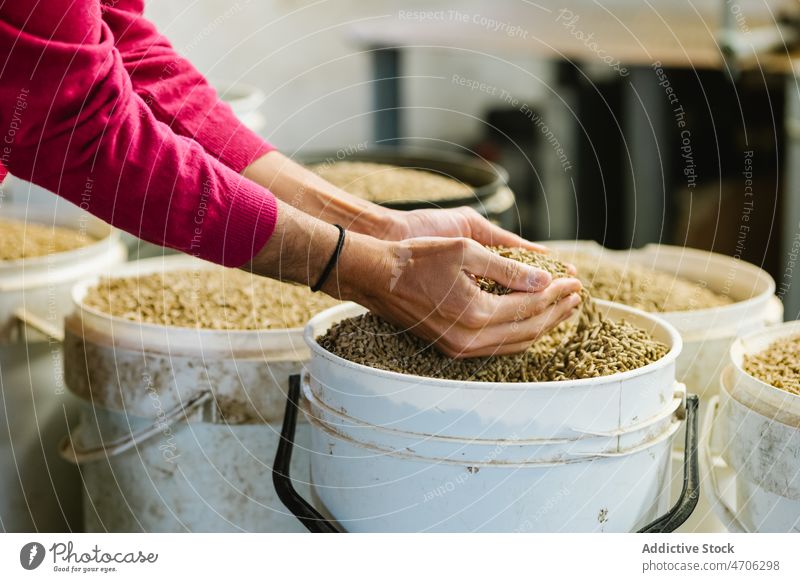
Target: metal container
(485, 178)
(188, 417)
(491, 410)
(38, 490)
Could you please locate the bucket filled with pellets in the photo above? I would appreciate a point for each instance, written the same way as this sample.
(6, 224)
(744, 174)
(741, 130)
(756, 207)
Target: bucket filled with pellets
(43, 252)
(408, 178)
(573, 434)
(183, 368)
(756, 429)
(711, 299)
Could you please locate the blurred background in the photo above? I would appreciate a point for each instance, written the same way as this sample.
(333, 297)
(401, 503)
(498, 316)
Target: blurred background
(621, 122)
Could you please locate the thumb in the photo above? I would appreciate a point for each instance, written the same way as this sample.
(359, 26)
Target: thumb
(513, 274)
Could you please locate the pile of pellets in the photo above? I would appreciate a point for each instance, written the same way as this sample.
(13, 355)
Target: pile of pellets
(216, 298)
(26, 240)
(643, 288)
(778, 365)
(386, 183)
(586, 346)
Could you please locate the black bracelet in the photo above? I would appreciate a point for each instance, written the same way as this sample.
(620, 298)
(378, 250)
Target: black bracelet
(332, 262)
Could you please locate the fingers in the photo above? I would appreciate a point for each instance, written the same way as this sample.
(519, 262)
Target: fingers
(487, 233)
(518, 306)
(511, 338)
(507, 272)
(440, 302)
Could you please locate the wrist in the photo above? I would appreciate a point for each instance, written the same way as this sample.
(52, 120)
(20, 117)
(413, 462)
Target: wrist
(362, 272)
(379, 222)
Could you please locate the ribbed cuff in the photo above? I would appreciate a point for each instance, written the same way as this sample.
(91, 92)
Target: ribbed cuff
(253, 214)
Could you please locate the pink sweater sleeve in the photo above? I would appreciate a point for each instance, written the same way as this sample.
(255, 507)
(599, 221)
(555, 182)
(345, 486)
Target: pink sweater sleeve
(175, 91)
(76, 127)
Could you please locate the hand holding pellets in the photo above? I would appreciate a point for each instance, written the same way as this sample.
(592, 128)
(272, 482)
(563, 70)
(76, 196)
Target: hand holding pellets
(588, 347)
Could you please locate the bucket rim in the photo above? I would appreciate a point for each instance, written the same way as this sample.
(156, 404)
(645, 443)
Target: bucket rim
(720, 310)
(346, 308)
(105, 237)
(725, 382)
(739, 349)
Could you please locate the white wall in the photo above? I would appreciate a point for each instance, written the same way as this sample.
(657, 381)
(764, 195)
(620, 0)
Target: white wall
(317, 80)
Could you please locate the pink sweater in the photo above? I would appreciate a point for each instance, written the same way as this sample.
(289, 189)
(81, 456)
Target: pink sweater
(96, 106)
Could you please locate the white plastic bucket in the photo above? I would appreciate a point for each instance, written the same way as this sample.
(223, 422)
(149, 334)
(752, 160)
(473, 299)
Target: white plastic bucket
(395, 452)
(38, 490)
(365, 489)
(488, 410)
(183, 476)
(707, 333)
(223, 390)
(36, 290)
(754, 393)
(103, 353)
(761, 492)
(508, 450)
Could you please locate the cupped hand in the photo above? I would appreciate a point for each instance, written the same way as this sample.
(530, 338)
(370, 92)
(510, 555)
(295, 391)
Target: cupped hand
(463, 222)
(427, 286)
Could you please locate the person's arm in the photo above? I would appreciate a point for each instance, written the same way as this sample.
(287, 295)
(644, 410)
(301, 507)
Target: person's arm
(176, 92)
(305, 190)
(80, 131)
(77, 128)
(412, 268)
(425, 285)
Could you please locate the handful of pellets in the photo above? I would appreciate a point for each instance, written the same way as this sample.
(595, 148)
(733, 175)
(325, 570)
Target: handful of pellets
(217, 298)
(387, 183)
(778, 365)
(587, 346)
(25, 240)
(643, 288)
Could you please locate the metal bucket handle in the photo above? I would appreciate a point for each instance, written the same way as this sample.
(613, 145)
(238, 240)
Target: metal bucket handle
(724, 512)
(690, 492)
(315, 522)
(78, 455)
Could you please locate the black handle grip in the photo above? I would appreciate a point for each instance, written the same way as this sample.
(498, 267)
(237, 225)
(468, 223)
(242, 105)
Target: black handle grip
(294, 502)
(690, 493)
